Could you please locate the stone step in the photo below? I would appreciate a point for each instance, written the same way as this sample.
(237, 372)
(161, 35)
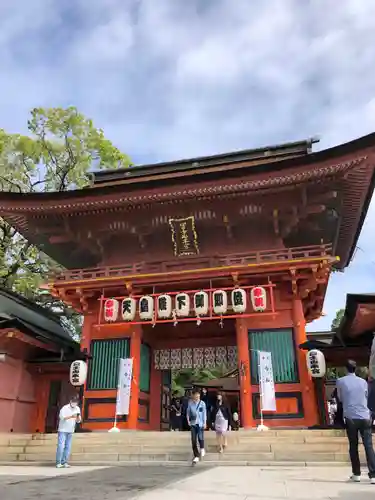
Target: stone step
(210, 437)
(269, 457)
(129, 447)
(164, 435)
(154, 447)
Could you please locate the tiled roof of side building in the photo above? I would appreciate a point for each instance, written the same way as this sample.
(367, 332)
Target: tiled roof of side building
(15, 307)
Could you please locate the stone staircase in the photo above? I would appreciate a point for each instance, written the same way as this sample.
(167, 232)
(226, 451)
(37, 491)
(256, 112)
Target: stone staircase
(275, 447)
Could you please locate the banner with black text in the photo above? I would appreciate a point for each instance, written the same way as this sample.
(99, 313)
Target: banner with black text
(124, 386)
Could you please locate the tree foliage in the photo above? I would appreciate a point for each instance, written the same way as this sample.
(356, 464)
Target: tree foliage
(187, 377)
(337, 319)
(59, 152)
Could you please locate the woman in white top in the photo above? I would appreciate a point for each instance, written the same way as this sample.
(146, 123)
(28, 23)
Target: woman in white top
(221, 417)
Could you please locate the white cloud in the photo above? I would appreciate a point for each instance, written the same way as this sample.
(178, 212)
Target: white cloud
(169, 79)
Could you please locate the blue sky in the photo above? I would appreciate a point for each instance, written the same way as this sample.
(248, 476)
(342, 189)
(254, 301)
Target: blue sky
(167, 79)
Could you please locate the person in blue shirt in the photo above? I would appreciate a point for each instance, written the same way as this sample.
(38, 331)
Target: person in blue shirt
(197, 420)
(352, 391)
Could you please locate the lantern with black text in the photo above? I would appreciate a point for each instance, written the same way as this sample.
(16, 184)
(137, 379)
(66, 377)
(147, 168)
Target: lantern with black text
(201, 303)
(146, 308)
(111, 307)
(316, 363)
(164, 306)
(128, 309)
(78, 373)
(258, 297)
(182, 305)
(239, 300)
(220, 302)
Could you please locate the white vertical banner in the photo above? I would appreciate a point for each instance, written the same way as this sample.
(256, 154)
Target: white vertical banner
(266, 382)
(124, 386)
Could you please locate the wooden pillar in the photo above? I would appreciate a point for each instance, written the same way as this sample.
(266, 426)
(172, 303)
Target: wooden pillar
(244, 374)
(311, 414)
(88, 321)
(90, 318)
(155, 396)
(135, 353)
(42, 388)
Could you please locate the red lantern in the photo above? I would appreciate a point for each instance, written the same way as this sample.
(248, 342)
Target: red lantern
(111, 307)
(258, 297)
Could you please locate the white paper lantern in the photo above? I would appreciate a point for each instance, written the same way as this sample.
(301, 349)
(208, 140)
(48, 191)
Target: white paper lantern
(128, 309)
(239, 300)
(220, 302)
(201, 303)
(316, 363)
(258, 297)
(146, 308)
(111, 307)
(182, 305)
(164, 306)
(78, 373)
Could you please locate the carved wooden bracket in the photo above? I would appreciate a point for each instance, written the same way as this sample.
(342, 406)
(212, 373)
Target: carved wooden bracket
(235, 278)
(294, 282)
(82, 299)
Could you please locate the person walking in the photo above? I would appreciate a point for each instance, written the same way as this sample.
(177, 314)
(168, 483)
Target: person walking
(176, 413)
(69, 416)
(205, 399)
(352, 391)
(184, 406)
(221, 416)
(197, 420)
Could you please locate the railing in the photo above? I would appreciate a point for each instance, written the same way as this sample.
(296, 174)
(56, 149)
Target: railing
(197, 262)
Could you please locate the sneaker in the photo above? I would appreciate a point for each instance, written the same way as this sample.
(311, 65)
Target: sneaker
(59, 466)
(372, 480)
(66, 466)
(203, 452)
(355, 479)
(195, 460)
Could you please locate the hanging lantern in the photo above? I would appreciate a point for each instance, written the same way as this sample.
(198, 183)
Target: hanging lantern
(201, 303)
(111, 307)
(239, 300)
(258, 297)
(182, 305)
(146, 308)
(164, 306)
(78, 373)
(128, 309)
(316, 363)
(220, 302)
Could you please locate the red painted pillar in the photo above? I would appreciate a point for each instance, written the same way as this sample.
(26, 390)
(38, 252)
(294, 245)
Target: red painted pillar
(90, 318)
(42, 385)
(88, 321)
(135, 353)
(244, 374)
(311, 414)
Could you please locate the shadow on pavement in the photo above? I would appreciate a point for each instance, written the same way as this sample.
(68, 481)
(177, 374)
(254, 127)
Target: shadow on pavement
(111, 483)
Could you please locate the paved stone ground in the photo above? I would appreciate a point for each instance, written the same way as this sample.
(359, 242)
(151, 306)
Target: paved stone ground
(119, 483)
(182, 483)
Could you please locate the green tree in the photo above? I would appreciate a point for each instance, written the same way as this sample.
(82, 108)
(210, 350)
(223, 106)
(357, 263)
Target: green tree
(187, 377)
(59, 152)
(337, 319)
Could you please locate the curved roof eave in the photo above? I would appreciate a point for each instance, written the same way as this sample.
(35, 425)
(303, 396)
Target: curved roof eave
(134, 182)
